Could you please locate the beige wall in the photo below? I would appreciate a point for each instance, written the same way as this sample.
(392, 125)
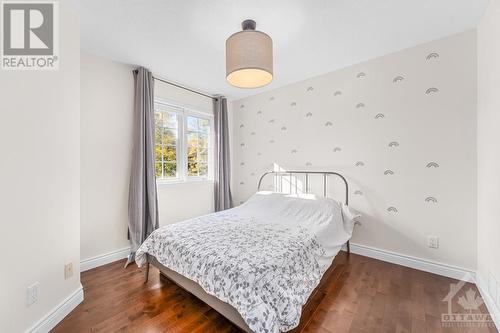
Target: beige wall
(169, 93)
(106, 148)
(184, 200)
(107, 96)
(488, 154)
(40, 177)
(300, 125)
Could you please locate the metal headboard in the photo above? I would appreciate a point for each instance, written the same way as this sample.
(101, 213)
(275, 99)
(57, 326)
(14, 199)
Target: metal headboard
(307, 173)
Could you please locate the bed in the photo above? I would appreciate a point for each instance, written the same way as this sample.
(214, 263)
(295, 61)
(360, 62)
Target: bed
(263, 263)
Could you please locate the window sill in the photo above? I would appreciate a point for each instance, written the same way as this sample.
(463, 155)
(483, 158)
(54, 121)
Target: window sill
(166, 183)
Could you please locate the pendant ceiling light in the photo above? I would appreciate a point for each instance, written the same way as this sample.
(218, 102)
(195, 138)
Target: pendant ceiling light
(249, 57)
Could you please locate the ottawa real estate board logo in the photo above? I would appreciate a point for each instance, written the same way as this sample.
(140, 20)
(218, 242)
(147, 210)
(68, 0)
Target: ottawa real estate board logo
(30, 35)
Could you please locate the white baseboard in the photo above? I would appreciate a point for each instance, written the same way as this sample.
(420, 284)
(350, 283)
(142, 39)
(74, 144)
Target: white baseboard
(454, 272)
(104, 259)
(62, 310)
(488, 300)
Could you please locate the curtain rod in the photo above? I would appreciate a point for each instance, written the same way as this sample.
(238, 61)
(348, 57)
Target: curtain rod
(182, 87)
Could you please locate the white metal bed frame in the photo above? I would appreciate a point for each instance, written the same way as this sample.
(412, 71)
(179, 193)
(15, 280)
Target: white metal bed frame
(226, 309)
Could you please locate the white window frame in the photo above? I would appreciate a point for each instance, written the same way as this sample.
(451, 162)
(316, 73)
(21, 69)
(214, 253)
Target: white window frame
(183, 112)
(178, 111)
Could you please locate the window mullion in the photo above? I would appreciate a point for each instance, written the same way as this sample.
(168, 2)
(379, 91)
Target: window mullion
(162, 131)
(183, 155)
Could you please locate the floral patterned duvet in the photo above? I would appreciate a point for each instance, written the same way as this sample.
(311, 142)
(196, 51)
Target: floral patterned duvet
(265, 271)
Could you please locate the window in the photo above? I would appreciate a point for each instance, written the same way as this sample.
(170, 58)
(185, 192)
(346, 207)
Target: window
(183, 143)
(198, 135)
(166, 143)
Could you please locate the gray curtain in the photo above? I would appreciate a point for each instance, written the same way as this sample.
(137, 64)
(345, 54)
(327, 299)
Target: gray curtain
(222, 161)
(143, 203)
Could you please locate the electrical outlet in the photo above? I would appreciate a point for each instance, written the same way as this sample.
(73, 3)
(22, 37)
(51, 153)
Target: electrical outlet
(433, 242)
(68, 270)
(32, 294)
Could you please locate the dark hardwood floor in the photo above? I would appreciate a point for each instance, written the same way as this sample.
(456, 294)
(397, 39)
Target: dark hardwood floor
(369, 296)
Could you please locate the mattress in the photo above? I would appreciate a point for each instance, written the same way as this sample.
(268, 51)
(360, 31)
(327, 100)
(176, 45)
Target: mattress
(263, 258)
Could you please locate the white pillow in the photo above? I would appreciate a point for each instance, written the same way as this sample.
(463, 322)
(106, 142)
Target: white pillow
(332, 222)
(306, 210)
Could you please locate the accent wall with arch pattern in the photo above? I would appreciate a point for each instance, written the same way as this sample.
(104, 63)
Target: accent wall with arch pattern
(401, 128)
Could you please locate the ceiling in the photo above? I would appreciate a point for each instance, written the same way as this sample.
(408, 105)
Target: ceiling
(184, 41)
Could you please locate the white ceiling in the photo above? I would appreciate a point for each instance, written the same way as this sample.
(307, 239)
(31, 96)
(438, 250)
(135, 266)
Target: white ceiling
(184, 40)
